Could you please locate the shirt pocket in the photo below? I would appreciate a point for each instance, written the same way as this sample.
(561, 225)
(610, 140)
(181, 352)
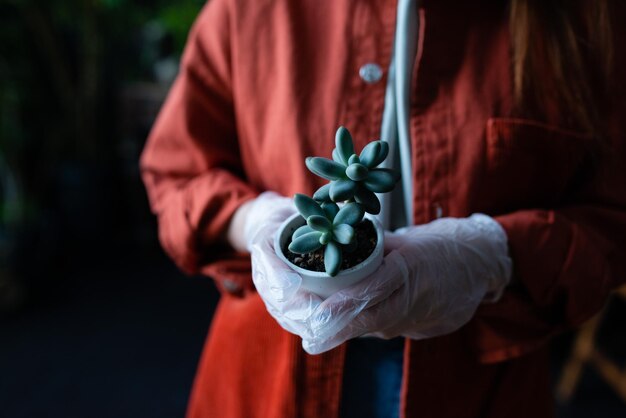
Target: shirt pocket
(532, 165)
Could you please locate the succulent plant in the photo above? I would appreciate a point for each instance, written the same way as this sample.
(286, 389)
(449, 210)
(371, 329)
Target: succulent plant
(353, 177)
(354, 180)
(327, 226)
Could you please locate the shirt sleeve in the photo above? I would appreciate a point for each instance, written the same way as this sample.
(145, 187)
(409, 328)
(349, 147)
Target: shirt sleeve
(191, 165)
(566, 262)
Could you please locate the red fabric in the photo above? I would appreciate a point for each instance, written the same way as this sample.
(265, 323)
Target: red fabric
(263, 84)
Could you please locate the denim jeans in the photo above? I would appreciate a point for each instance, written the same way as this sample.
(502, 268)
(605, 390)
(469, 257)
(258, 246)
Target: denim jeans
(372, 378)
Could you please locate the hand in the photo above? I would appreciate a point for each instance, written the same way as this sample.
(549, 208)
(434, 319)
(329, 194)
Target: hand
(253, 229)
(278, 285)
(442, 271)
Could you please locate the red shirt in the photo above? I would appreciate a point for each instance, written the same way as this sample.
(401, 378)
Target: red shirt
(265, 83)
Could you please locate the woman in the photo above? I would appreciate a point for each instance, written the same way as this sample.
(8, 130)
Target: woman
(509, 115)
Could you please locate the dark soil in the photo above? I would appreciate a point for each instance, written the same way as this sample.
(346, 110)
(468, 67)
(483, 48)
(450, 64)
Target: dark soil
(366, 242)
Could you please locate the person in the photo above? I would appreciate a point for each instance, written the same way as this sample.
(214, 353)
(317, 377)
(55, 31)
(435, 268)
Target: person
(510, 127)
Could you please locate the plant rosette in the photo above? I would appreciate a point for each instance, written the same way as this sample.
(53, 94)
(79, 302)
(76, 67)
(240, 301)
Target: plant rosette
(320, 282)
(330, 242)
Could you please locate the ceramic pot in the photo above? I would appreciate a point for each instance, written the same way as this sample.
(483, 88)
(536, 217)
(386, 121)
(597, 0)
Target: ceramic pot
(319, 282)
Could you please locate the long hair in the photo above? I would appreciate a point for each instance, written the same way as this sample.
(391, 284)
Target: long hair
(562, 53)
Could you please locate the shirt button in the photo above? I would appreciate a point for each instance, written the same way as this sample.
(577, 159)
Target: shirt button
(438, 211)
(231, 286)
(371, 73)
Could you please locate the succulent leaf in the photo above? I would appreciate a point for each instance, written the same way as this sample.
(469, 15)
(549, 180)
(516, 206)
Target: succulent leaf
(331, 209)
(370, 152)
(374, 153)
(343, 233)
(306, 243)
(384, 151)
(337, 157)
(341, 190)
(332, 258)
(357, 172)
(381, 180)
(325, 168)
(367, 200)
(319, 223)
(354, 159)
(307, 206)
(354, 180)
(343, 144)
(322, 194)
(304, 229)
(350, 213)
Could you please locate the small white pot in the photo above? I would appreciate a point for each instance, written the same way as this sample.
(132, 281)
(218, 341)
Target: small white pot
(319, 282)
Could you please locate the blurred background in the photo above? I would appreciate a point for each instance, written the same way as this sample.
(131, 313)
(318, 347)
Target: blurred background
(94, 319)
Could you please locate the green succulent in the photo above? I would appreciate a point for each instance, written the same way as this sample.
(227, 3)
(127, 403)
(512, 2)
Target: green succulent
(354, 177)
(327, 226)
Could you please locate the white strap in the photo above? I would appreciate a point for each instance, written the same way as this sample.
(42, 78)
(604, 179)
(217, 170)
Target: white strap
(396, 116)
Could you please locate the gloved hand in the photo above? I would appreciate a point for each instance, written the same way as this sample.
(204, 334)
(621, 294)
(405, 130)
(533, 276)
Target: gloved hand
(277, 284)
(442, 271)
(255, 225)
(266, 212)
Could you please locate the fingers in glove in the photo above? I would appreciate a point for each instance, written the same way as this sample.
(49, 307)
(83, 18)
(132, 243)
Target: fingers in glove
(341, 308)
(393, 241)
(295, 315)
(289, 305)
(369, 321)
(271, 276)
(279, 288)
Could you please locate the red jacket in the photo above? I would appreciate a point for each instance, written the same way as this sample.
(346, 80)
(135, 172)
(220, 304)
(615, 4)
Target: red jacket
(265, 83)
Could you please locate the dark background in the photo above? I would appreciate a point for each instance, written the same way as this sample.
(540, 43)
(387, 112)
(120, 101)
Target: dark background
(95, 321)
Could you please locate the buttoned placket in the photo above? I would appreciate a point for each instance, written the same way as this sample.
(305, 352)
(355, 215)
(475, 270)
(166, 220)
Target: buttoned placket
(364, 92)
(430, 120)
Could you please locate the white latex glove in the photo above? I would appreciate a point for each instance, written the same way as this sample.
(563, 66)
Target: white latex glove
(294, 308)
(445, 269)
(256, 223)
